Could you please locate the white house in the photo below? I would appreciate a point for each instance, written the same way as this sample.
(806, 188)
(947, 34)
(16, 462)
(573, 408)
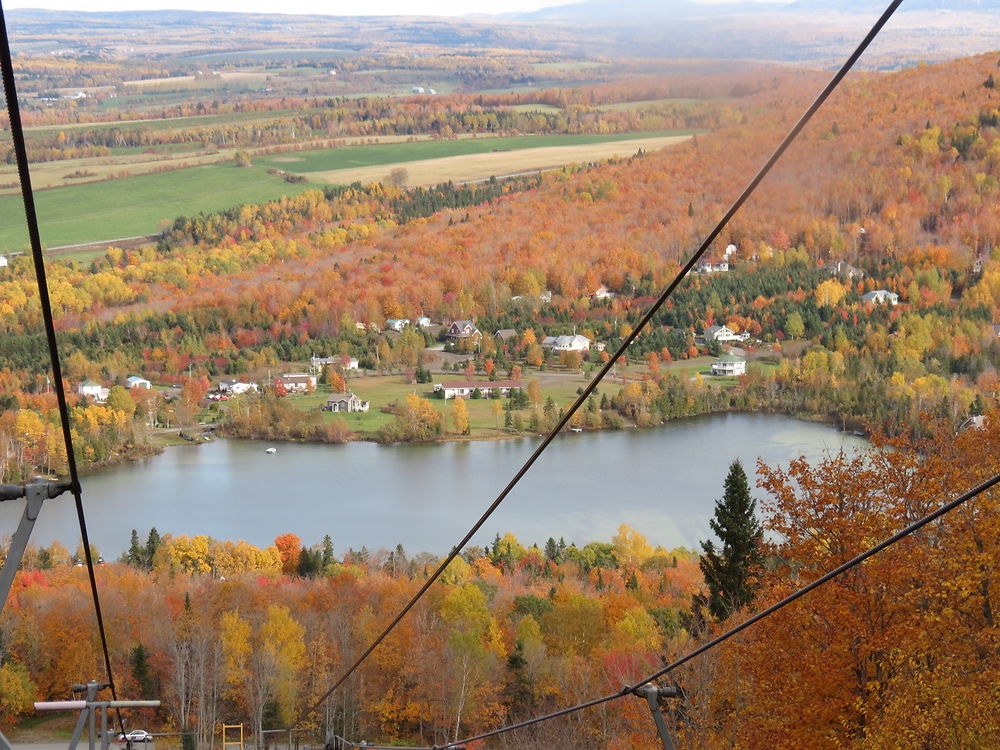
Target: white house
(707, 266)
(93, 390)
(3, 261)
(466, 388)
(602, 293)
(345, 403)
(881, 297)
(723, 334)
(729, 365)
(297, 382)
(423, 321)
(134, 381)
(397, 324)
(235, 388)
(575, 343)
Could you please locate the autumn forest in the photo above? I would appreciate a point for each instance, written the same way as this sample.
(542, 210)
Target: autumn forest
(862, 282)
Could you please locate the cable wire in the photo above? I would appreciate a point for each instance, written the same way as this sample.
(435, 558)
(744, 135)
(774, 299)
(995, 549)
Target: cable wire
(826, 578)
(592, 385)
(21, 154)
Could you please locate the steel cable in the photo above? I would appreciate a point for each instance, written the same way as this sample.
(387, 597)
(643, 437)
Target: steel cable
(581, 399)
(798, 593)
(21, 155)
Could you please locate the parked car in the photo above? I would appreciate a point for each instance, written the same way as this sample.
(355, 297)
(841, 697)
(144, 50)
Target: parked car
(138, 735)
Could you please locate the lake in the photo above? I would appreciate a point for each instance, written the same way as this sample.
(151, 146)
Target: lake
(661, 481)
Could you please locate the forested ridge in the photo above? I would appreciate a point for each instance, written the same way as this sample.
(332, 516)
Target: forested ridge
(897, 176)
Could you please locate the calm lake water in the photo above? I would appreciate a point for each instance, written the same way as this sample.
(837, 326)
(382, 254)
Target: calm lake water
(662, 481)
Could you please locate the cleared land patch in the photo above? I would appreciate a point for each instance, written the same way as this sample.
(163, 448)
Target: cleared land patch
(484, 165)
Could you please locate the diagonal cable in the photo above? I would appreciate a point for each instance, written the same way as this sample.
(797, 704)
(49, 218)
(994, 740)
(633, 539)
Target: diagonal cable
(592, 385)
(825, 578)
(21, 154)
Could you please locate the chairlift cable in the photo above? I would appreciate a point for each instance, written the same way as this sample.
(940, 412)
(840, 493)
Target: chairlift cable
(592, 385)
(798, 593)
(21, 155)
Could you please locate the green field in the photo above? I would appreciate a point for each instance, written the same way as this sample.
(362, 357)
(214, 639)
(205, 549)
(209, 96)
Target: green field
(137, 205)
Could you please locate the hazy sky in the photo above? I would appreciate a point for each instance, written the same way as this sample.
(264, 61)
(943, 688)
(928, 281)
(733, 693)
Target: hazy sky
(322, 7)
(325, 7)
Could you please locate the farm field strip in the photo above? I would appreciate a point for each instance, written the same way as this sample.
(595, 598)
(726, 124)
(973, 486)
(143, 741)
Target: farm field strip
(482, 166)
(137, 205)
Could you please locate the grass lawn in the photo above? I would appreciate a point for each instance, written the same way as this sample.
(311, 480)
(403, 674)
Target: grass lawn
(381, 390)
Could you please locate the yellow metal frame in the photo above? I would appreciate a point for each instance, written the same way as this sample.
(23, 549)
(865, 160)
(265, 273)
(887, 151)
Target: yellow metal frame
(226, 742)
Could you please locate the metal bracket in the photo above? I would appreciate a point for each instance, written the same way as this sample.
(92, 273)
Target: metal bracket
(89, 707)
(651, 692)
(36, 493)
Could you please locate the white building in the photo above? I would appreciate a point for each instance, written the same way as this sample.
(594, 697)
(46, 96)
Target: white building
(297, 382)
(465, 388)
(3, 261)
(729, 365)
(575, 343)
(235, 388)
(881, 297)
(723, 334)
(93, 390)
(134, 381)
(397, 324)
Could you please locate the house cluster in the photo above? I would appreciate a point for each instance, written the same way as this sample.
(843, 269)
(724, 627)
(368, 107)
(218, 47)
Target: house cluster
(465, 388)
(93, 389)
(574, 343)
(398, 324)
(345, 403)
(719, 264)
(723, 334)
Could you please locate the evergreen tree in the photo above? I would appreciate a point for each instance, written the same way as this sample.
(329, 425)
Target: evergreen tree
(141, 672)
(327, 559)
(152, 544)
(136, 552)
(730, 570)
